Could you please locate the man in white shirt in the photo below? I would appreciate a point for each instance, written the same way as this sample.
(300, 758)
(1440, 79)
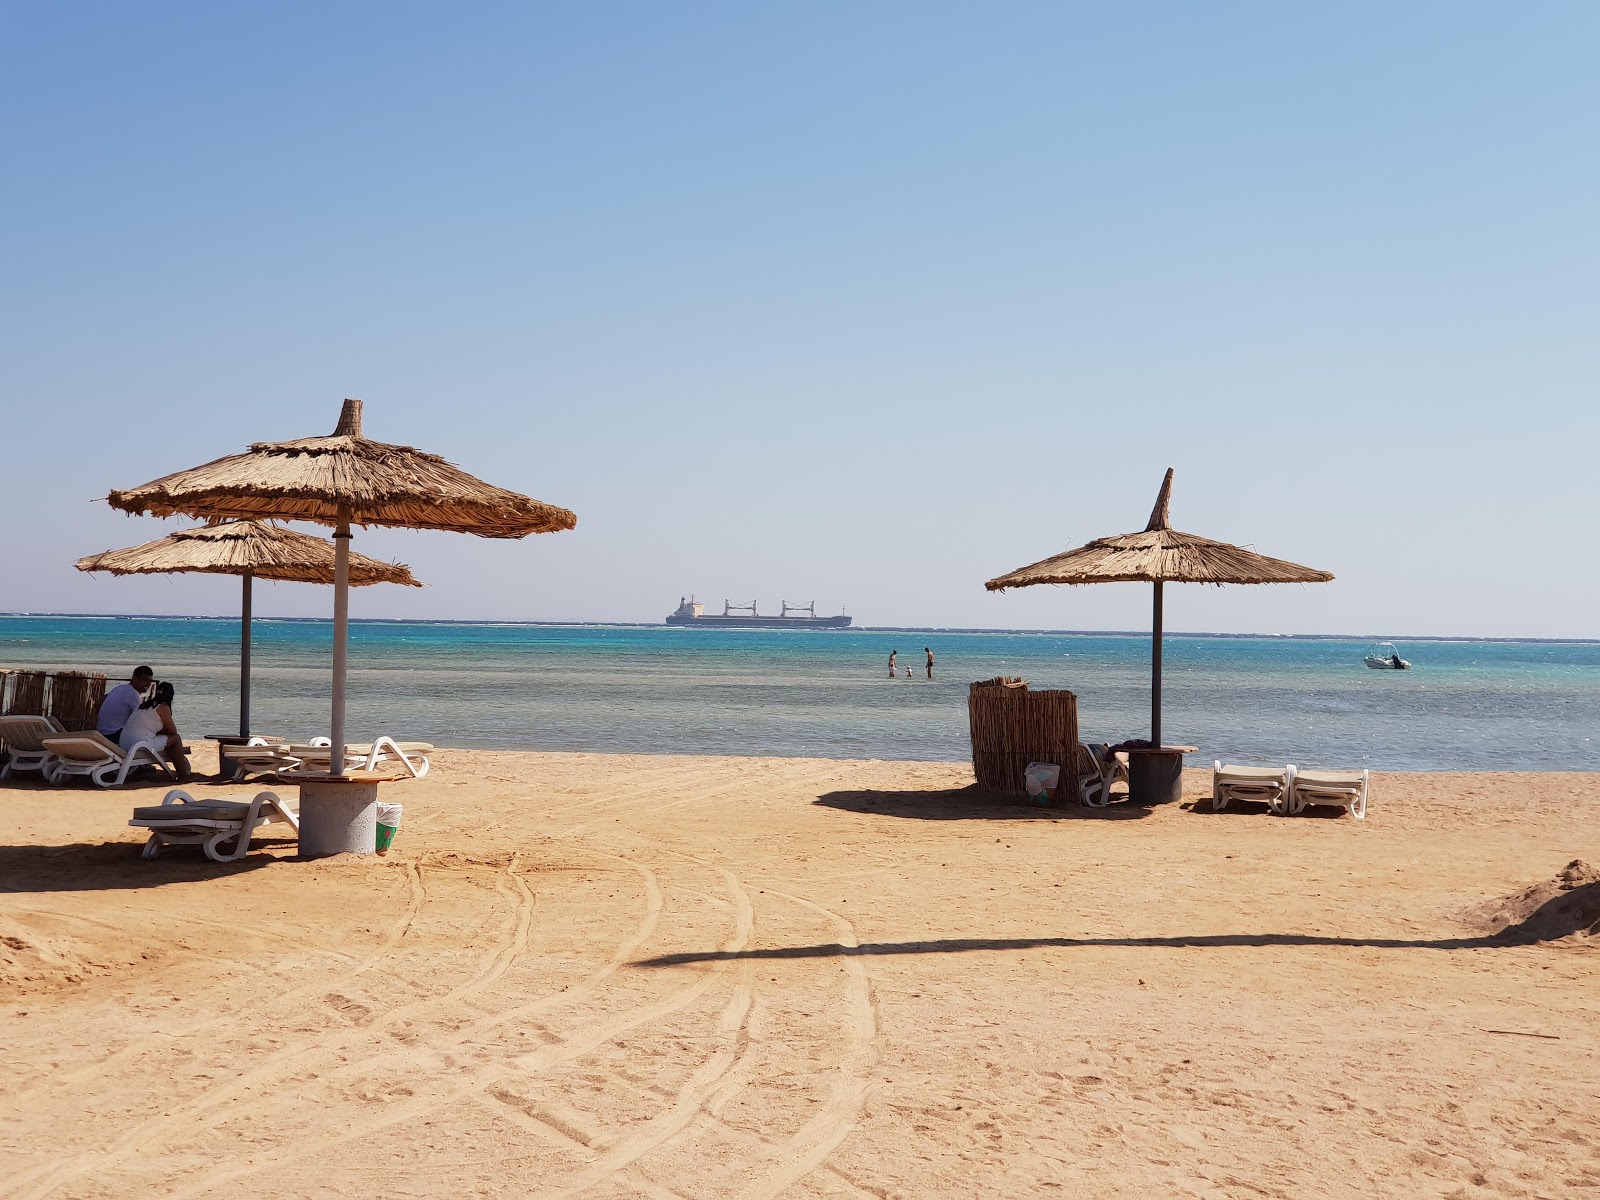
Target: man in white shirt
(121, 700)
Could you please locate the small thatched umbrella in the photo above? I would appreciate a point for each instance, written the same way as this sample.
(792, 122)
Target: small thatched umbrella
(340, 480)
(1159, 554)
(251, 549)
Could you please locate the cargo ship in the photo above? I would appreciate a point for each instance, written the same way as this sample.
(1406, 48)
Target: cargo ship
(744, 616)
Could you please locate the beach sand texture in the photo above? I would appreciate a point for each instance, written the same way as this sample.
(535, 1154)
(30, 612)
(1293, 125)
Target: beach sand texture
(699, 977)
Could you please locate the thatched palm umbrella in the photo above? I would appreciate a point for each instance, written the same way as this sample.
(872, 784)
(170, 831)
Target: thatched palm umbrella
(252, 550)
(1159, 554)
(340, 480)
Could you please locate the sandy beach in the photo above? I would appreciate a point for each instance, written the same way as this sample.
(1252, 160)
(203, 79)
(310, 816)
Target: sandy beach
(721, 977)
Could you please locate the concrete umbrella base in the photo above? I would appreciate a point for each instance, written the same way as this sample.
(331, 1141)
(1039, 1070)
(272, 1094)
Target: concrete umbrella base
(339, 813)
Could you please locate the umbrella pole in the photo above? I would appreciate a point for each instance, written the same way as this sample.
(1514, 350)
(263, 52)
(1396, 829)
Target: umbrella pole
(244, 657)
(1155, 671)
(341, 636)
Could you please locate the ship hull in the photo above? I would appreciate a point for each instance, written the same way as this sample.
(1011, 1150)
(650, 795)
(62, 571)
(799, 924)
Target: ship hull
(839, 622)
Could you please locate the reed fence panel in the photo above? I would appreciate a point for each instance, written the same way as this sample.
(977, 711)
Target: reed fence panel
(75, 698)
(27, 693)
(1012, 727)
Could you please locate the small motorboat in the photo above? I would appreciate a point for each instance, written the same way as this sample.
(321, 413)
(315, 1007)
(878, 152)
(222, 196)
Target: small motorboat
(1384, 657)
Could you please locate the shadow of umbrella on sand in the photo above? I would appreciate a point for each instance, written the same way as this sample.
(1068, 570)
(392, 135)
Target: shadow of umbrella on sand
(1158, 554)
(340, 480)
(250, 549)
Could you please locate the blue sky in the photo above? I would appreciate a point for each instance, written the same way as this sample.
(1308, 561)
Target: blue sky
(860, 303)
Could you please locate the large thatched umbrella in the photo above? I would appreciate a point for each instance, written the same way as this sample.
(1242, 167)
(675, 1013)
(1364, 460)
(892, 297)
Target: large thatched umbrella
(252, 550)
(340, 480)
(1159, 554)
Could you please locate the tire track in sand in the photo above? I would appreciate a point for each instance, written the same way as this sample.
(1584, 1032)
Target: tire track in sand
(197, 1030)
(663, 779)
(814, 1141)
(180, 1120)
(654, 905)
(481, 1079)
(633, 804)
(697, 1093)
(699, 1103)
(808, 1149)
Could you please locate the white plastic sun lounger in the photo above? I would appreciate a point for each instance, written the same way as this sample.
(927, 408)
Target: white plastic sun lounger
(1348, 789)
(181, 820)
(24, 738)
(1096, 771)
(318, 755)
(1265, 785)
(258, 757)
(102, 760)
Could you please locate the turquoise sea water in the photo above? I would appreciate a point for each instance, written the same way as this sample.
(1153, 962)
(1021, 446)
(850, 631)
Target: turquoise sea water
(1466, 705)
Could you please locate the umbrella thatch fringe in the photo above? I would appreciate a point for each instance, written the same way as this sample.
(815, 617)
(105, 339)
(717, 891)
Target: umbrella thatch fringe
(313, 479)
(1157, 556)
(245, 547)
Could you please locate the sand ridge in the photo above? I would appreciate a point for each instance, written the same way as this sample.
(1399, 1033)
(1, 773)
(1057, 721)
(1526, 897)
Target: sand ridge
(668, 976)
(1565, 906)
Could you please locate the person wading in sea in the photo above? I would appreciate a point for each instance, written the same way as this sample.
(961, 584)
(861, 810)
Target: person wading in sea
(893, 654)
(929, 653)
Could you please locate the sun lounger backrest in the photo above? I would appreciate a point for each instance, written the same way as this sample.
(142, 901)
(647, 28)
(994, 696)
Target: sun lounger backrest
(26, 733)
(1348, 789)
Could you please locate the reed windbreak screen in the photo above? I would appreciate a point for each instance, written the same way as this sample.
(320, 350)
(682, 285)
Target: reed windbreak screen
(75, 698)
(25, 693)
(71, 697)
(1012, 727)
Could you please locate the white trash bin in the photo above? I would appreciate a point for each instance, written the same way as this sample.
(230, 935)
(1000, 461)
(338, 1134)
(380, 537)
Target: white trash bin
(388, 825)
(1040, 781)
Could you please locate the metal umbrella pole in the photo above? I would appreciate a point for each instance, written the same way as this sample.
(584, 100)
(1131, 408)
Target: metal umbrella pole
(1155, 672)
(338, 813)
(341, 637)
(244, 656)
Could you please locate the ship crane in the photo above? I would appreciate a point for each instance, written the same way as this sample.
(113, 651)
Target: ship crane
(729, 608)
(809, 609)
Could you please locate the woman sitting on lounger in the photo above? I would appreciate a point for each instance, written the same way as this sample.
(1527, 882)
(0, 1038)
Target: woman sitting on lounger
(152, 722)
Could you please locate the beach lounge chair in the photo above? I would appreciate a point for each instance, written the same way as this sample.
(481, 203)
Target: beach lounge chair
(1348, 789)
(257, 757)
(24, 739)
(412, 755)
(180, 819)
(1096, 770)
(318, 755)
(97, 756)
(1268, 785)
